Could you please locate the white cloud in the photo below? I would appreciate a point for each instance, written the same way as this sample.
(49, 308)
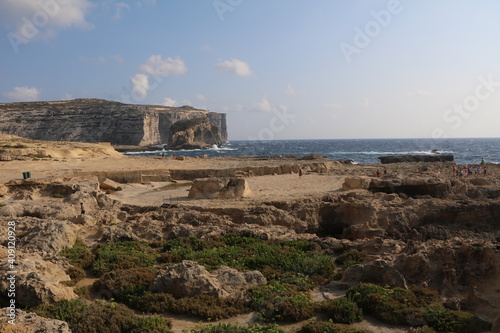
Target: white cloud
(365, 103)
(289, 90)
(167, 101)
(119, 7)
(201, 97)
(156, 66)
(422, 93)
(140, 85)
(67, 97)
(147, 2)
(187, 102)
(30, 19)
(331, 106)
(23, 94)
(263, 106)
(234, 66)
(283, 107)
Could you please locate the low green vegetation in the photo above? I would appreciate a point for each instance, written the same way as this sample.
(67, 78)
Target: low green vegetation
(79, 255)
(123, 255)
(248, 252)
(349, 258)
(292, 267)
(342, 310)
(234, 328)
(414, 307)
(315, 326)
(102, 317)
(205, 307)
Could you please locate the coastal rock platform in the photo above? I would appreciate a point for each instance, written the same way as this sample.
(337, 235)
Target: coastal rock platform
(418, 224)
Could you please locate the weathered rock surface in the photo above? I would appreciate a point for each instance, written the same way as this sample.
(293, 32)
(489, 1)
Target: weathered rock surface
(38, 281)
(415, 158)
(435, 187)
(212, 188)
(27, 322)
(94, 120)
(196, 133)
(379, 272)
(49, 237)
(188, 279)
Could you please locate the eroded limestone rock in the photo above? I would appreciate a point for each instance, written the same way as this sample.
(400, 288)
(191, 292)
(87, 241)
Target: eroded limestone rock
(189, 278)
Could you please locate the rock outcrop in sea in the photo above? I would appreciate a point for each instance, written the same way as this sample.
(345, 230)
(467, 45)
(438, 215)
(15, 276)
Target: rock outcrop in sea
(96, 120)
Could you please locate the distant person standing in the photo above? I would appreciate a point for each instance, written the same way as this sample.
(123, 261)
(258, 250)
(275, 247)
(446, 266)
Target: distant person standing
(82, 209)
(482, 161)
(300, 173)
(378, 173)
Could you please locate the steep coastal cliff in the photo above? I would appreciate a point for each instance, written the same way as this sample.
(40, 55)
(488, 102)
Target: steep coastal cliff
(95, 120)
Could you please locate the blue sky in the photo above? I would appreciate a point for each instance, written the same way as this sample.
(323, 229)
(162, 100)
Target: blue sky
(280, 69)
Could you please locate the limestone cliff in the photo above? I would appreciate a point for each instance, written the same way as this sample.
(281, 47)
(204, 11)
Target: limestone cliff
(95, 120)
(194, 133)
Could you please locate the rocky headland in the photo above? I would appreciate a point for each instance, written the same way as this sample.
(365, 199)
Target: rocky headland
(96, 120)
(94, 227)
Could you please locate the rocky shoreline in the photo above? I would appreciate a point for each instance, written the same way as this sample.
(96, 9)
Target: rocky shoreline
(418, 224)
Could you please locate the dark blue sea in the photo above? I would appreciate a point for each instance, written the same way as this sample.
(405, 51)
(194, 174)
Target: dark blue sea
(362, 151)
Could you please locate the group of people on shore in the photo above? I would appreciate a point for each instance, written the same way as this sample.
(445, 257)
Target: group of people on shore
(464, 171)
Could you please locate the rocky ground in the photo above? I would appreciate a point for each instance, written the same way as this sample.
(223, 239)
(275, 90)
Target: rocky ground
(418, 224)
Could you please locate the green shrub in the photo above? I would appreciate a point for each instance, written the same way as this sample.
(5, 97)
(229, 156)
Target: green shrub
(82, 292)
(102, 317)
(123, 255)
(314, 326)
(442, 319)
(203, 306)
(154, 303)
(279, 302)
(209, 308)
(58, 195)
(414, 307)
(235, 328)
(349, 258)
(79, 255)
(76, 273)
(342, 310)
(127, 285)
(64, 310)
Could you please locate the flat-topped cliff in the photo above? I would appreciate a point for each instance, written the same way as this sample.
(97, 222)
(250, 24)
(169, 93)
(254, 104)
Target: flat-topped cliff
(96, 120)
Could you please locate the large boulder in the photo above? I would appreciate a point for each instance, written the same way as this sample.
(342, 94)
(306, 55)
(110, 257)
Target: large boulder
(189, 278)
(213, 188)
(379, 272)
(38, 281)
(355, 183)
(26, 322)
